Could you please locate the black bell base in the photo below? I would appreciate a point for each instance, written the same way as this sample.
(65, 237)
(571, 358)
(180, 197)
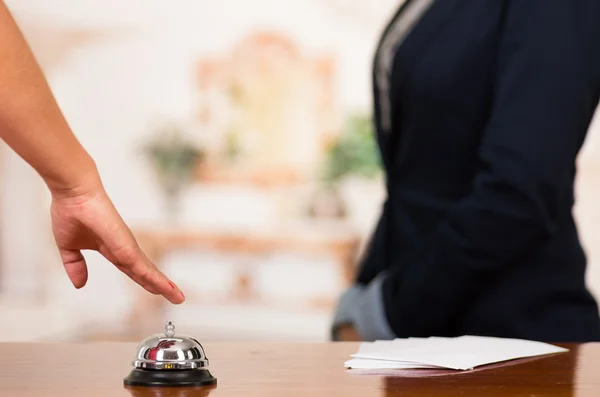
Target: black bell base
(170, 378)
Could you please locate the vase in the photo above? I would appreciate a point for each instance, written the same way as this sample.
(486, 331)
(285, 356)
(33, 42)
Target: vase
(327, 203)
(172, 202)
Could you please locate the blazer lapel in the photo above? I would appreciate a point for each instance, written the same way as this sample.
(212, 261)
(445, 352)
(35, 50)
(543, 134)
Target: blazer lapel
(383, 139)
(410, 52)
(416, 42)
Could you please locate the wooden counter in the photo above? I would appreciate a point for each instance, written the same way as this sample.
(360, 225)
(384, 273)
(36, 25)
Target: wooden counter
(290, 370)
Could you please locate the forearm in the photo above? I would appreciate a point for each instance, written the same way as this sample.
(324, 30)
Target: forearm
(31, 122)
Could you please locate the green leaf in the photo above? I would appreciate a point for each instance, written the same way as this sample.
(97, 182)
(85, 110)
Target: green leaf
(355, 152)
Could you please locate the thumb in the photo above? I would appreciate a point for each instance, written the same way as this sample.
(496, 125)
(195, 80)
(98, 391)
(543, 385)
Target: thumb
(75, 266)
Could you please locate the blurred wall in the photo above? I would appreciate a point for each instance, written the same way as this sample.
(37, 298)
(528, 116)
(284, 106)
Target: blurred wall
(119, 67)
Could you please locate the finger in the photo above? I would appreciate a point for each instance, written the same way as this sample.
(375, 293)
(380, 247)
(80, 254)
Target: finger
(125, 269)
(158, 280)
(123, 248)
(137, 280)
(151, 289)
(75, 266)
(144, 272)
(172, 285)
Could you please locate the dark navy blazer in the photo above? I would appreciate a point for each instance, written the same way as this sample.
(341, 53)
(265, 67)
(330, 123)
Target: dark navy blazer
(491, 101)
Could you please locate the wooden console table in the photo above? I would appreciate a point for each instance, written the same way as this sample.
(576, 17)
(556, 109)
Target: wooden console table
(336, 241)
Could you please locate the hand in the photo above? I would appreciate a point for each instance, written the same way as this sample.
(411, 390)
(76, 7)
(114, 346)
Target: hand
(347, 333)
(89, 221)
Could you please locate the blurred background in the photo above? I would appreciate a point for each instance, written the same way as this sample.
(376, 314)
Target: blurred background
(234, 137)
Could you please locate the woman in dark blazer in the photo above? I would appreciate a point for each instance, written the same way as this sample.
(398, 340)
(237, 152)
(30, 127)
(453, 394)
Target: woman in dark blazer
(481, 107)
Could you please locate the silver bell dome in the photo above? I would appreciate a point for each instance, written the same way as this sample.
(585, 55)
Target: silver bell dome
(170, 351)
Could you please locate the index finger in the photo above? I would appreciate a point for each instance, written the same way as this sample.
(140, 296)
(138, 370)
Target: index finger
(145, 273)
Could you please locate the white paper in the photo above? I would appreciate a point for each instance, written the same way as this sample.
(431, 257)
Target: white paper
(365, 363)
(462, 353)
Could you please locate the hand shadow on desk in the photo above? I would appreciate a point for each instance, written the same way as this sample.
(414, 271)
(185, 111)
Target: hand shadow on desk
(549, 375)
(140, 391)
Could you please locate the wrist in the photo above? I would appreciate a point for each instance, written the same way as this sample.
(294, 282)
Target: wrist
(80, 180)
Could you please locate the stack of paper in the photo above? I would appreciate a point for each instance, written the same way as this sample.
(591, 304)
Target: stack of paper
(462, 353)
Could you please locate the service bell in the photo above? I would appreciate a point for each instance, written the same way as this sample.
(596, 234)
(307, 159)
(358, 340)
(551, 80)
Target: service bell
(170, 359)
